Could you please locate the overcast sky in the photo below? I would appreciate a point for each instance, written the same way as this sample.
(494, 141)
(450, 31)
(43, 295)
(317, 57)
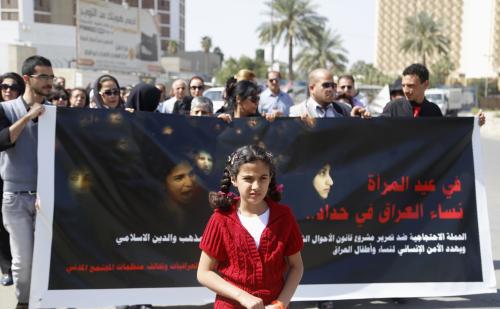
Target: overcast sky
(232, 26)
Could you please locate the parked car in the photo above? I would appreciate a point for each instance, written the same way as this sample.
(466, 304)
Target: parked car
(216, 95)
(449, 100)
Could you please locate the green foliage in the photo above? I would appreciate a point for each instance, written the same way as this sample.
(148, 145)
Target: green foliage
(323, 52)
(423, 37)
(440, 71)
(231, 66)
(206, 44)
(368, 74)
(479, 84)
(172, 47)
(295, 22)
(219, 52)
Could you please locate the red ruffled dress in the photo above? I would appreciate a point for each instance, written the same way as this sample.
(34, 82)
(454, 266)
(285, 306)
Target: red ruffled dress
(259, 271)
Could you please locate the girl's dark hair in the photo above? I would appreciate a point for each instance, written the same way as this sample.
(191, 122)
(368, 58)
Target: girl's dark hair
(229, 89)
(242, 89)
(19, 81)
(246, 154)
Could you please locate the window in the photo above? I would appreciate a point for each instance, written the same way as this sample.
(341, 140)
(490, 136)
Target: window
(9, 4)
(42, 18)
(116, 1)
(10, 16)
(148, 4)
(165, 31)
(133, 3)
(42, 5)
(164, 5)
(164, 18)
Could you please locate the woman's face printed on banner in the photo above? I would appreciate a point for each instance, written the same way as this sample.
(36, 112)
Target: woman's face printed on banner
(204, 161)
(181, 183)
(323, 181)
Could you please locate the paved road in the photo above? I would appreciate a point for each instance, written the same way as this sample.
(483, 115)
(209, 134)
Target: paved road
(491, 160)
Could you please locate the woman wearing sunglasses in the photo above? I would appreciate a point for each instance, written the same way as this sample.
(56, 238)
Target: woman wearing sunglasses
(59, 97)
(107, 93)
(242, 101)
(11, 85)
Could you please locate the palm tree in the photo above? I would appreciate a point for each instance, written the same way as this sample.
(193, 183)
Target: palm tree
(295, 22)
(424, 37)
(219, 52)
(206, 44)
(172, 47)
(325, 51)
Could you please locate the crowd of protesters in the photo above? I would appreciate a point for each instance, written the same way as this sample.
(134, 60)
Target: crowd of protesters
(23, 97)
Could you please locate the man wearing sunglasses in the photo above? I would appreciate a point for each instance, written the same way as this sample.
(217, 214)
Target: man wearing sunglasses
(273, 100)
(320, 103)
(346, 85)
(18, 167)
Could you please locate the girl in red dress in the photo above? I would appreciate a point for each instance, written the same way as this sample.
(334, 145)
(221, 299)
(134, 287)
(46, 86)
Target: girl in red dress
(251, 245)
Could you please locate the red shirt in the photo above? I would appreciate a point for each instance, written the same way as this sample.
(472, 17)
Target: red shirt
(259, 271)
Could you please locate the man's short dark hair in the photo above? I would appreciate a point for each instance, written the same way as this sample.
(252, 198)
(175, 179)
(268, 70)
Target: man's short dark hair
(348, 77)
(417, 69)
(30, 63)
(272, 71)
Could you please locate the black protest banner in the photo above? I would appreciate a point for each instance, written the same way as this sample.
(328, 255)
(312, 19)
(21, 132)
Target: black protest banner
(380, 201)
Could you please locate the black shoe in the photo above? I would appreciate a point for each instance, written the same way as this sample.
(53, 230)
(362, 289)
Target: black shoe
(399, 300)
(22, 306)
(6, 279)
(325, 304)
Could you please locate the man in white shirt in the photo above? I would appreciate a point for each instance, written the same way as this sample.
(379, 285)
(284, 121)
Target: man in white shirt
(273, 100)
(179, 92)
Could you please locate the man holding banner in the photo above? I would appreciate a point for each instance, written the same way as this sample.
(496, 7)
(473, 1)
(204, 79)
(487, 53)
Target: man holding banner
(320, 104)
(18, 166)
(415, 82)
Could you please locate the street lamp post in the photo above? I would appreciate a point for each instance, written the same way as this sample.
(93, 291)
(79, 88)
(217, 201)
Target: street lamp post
(272, 33)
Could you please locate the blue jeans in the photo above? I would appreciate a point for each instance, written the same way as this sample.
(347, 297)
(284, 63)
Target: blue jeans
(19, 214)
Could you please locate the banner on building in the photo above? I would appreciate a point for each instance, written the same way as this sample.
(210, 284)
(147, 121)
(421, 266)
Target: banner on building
(387, 207)
(115, 37)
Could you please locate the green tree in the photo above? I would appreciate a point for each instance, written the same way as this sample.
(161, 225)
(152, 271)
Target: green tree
(172, 47)
(368, 74)
(424, 37)
(295, 22)
(219, 52)
(232, 65)
(206, 44)
(441, 70)
(324, 52)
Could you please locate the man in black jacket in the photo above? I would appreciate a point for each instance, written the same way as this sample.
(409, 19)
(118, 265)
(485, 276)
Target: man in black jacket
(415, 82)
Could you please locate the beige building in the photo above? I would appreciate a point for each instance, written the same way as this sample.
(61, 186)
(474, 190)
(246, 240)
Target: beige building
(473, 27)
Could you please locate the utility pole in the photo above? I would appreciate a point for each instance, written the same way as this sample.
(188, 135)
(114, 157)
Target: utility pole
(272, 33)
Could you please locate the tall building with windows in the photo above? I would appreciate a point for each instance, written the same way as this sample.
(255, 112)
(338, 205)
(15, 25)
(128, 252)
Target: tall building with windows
(47, 27)
(472, 26)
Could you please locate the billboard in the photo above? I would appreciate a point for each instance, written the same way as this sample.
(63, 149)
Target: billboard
(114, 37)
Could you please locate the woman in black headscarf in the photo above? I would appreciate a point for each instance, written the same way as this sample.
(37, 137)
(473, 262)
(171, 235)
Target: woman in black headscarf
(106, 93)
(143, 97)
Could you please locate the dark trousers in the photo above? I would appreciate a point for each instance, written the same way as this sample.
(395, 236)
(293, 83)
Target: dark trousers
(5, 257)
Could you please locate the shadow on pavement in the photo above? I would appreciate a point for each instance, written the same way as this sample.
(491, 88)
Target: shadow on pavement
(496, 264)
(471, 301)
